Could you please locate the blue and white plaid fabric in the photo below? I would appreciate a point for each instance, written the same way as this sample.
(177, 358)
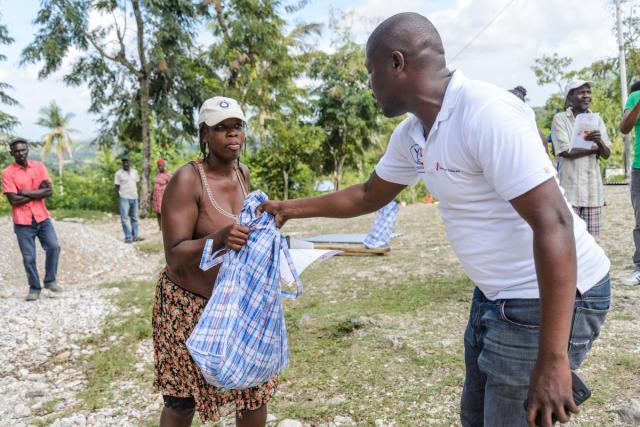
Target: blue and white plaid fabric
(380, 232)
(241, 338)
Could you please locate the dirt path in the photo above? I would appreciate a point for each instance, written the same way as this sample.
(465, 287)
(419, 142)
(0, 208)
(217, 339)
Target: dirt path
(38, 340)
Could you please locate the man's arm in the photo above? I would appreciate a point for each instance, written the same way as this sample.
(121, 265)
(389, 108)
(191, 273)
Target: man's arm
(603, 149)
(576, 153)
(45, 190)
(16, 199)
(630, 119)
(554, 251)
(356, 200)
(117, 187)
(561, 139)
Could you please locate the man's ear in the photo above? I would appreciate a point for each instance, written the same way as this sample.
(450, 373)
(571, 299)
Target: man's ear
(398, 62)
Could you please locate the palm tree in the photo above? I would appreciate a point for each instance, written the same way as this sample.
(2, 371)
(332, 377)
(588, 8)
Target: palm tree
(59, 136)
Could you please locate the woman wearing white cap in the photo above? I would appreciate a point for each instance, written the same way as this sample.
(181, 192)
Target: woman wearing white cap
(202, 201)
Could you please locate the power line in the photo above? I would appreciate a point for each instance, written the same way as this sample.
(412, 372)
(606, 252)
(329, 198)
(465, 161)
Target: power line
(482, 30)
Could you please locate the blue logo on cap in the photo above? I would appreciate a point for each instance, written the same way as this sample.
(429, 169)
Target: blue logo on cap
(223, 104)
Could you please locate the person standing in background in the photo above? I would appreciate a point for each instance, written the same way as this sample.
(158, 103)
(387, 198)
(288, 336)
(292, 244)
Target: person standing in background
(630, 121)
(578, 168)
(125, 181)
(26, 184)
(159, 184)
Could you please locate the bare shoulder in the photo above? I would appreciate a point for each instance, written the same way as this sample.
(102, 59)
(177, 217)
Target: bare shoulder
(186, 176)
(245, 170)
(184, 184)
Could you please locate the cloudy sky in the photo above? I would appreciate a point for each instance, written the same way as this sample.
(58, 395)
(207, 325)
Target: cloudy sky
(522, 30)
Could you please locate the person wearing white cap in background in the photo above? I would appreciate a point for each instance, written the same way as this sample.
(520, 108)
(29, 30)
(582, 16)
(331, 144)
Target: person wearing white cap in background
(578, 169)
(202, 201)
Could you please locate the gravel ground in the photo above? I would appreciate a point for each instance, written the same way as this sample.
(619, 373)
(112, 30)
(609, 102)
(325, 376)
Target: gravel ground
(38, 341)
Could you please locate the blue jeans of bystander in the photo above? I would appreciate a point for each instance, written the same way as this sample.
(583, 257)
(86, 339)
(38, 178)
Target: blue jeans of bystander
(501, 348)
(129, 211)
(45, 232)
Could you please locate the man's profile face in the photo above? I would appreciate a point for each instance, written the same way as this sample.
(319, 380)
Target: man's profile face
(381, 81)
(20, 153)
(581, 97)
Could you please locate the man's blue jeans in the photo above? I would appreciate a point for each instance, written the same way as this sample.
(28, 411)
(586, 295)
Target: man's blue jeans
(45, 232)
(501, 348)
(129, 211)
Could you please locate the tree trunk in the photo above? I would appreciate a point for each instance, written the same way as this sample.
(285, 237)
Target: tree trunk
(338, 162)
(143, 78)
(285, 193)
(60, 166)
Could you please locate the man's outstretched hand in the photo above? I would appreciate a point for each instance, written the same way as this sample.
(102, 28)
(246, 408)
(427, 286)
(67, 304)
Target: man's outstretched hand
(275, 208)
(550, 393)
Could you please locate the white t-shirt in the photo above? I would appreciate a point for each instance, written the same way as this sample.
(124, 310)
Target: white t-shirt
(482, 151)
(127, 182)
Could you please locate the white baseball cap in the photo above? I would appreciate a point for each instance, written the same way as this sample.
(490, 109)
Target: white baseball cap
(219, 108)
(575, 84)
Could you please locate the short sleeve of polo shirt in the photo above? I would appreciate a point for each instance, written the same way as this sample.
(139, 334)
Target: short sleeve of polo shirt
(397, 165)
(560, 133)
(506, 145)
(43, 172)
(8, 185)
(632, 100)
(116, 179)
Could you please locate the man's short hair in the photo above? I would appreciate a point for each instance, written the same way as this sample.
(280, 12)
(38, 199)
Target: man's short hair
(18, 141)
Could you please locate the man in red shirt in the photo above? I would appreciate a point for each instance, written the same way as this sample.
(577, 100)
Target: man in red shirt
(26, 184)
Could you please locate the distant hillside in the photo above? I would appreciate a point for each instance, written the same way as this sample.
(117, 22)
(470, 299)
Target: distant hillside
(82, 151)
(86, 151)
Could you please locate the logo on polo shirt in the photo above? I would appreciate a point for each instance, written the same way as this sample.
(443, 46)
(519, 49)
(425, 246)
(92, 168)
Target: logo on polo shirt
(416, 154)
(439, 168)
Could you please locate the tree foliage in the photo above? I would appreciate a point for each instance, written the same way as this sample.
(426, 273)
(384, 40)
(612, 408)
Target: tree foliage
(552, 69)
(256, 61)
(345, 107)
(7, 121)
(58, 136)
(285, 161)
(130, 54)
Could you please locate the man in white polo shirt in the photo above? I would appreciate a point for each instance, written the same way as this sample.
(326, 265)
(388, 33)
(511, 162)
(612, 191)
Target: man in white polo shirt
(542, 283)
(126, 185)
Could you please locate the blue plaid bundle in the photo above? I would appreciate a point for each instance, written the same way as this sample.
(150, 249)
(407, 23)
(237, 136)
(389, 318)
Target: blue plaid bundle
(380, 232)
(241, 338)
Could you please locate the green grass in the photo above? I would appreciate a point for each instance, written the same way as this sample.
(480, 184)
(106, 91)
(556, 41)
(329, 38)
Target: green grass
(87, 215)
(622, 316)
(150, 247)
(336, 354)
(47, 408)
(115, 361)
